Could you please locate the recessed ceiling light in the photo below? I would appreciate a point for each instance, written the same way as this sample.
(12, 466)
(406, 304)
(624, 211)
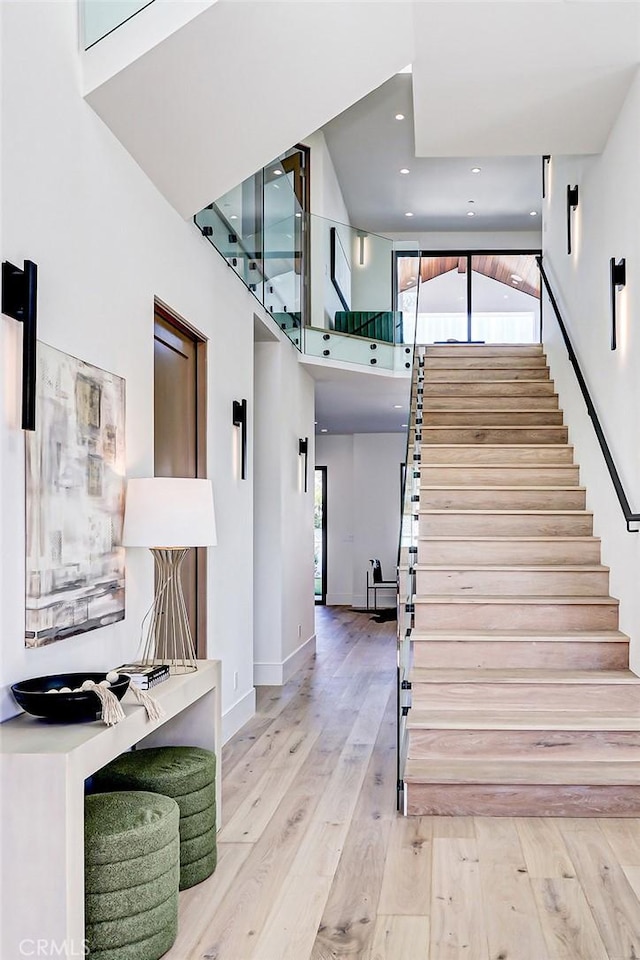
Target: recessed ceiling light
(404, 424)
(471, 213)
(277, 172)
(409, 214)
(315, 422)
(324, 430)
(397, 406)
(476, 169)
(470, 201)
(233, 217)
(533, 213)
(399, 116)
(514, 276)
(298, 215)
(404, 170)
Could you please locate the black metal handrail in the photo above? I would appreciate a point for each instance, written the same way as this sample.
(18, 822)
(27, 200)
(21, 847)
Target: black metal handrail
(629, 516)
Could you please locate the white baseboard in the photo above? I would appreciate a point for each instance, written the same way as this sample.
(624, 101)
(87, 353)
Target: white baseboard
(339, 600)
(277, 674)
(240, 713)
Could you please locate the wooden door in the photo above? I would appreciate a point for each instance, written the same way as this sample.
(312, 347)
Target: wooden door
(179, 437)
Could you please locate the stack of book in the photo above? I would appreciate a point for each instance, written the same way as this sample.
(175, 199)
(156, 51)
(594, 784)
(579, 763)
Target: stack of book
(145, 676)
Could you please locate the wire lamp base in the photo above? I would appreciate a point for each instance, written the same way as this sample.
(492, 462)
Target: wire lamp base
(169, 637)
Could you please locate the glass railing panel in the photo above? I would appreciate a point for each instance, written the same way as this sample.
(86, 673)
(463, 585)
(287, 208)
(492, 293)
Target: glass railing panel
(100, 17)
(350, 349)
(408, 539)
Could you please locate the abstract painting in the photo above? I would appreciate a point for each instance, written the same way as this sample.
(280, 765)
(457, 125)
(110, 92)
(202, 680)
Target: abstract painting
(75, 484)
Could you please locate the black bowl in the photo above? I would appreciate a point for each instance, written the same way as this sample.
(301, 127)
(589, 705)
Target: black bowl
(32, 696)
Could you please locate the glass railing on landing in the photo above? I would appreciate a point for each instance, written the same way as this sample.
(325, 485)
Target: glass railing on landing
(407, 559)
(317, 277)
(98, 18)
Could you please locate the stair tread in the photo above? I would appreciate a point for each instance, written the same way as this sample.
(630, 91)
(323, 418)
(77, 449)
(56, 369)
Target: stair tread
(425, 718)
(495, 446)
(511, 512)
(523, 568)
(578, 772)
(560, 539)
(495, 486)
(542, 636)
(524, 599)
(520, 675)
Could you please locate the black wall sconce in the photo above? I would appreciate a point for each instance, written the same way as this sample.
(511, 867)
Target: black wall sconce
(618, 275)
(240, 420)
(303, 451)
(572, 203)
(19, 300)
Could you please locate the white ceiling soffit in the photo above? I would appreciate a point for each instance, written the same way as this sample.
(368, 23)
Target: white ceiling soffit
(349, 401)
(515, 78)
(244, 81)
(369, 147)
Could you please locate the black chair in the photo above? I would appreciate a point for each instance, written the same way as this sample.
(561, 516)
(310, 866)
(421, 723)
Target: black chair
(375, 582)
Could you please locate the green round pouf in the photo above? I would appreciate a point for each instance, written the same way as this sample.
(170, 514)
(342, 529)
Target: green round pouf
(188, 776)
(130, 914)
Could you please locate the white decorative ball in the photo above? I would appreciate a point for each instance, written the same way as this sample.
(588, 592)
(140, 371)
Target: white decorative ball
(104, 683)
(65, 690)
(88, 684)
(112, 676)
(53, 690)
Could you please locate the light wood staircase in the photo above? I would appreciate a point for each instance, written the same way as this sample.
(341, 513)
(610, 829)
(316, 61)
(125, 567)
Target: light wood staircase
(522, 703)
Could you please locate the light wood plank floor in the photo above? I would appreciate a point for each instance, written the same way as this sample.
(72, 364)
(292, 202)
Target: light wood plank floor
(314, 863)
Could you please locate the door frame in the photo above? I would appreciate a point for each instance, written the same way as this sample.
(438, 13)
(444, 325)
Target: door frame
(322, 600)
(174, 319)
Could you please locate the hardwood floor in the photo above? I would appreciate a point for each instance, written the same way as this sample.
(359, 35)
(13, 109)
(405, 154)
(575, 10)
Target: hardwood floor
(315, 864)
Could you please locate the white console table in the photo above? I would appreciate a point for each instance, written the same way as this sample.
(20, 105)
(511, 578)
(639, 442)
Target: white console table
(43, 769)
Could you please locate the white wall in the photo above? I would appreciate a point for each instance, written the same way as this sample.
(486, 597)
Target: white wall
(283, 546)
(605, 225)
(363, 510)
(470, 240)
(106, 243)
(328, 209)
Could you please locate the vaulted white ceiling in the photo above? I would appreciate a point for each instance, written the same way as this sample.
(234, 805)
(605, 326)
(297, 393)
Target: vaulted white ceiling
(245, 79)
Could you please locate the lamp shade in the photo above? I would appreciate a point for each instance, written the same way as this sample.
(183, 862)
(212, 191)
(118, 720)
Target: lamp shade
(169, 512)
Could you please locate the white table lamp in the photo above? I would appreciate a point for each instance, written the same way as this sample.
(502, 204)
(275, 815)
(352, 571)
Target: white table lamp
(169, 516)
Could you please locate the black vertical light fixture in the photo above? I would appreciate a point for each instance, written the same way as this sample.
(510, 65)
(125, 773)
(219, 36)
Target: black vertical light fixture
(19, 300)
(618, 279)
(546, 160)
(572, 203)
(303, 451)
(240, 420)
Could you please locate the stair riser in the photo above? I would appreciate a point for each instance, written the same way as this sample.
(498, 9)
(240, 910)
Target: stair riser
(490, 434)
(516, 616)
(503, 499)
(467, 387)
(516, 744)
(457, 552)
(509, 418)
(486, 373)
(512, 583)
(525, 475)
(493, 350)
(488, 654)
(433, 362)
(502, 455)
(523, 696)
(509, 525)
(498, 800)
(488, 403)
